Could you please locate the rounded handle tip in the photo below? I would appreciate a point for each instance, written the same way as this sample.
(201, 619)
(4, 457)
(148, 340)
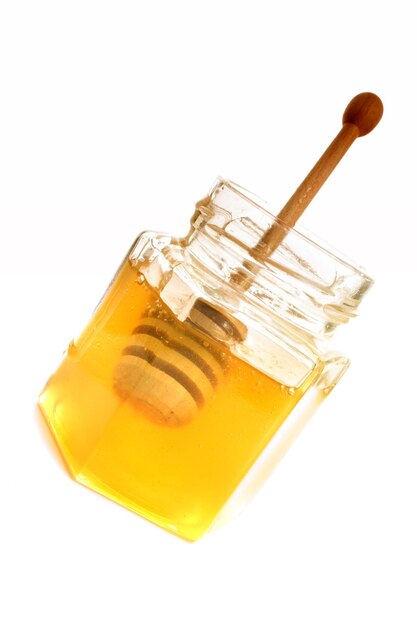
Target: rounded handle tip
(364, 111)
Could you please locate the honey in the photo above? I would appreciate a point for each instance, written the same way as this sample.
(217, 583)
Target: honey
(176, 467)
(203, 347)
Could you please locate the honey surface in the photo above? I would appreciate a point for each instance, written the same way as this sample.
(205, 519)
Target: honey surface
(176, 475)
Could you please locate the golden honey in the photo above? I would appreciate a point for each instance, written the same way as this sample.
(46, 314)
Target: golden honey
(187, 385)
(178, 474)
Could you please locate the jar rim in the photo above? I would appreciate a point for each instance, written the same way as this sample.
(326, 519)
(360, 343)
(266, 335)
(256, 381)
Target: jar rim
(304, 234)
(303, 280)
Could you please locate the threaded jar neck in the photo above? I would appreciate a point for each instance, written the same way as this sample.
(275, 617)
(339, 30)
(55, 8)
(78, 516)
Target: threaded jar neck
(303, 284)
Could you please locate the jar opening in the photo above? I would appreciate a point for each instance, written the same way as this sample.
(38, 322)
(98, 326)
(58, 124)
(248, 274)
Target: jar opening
(304, 280)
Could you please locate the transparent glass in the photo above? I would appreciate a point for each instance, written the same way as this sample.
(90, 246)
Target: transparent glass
(187, 385)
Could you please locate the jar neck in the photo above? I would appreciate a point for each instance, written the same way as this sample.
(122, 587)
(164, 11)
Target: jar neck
(303, 285)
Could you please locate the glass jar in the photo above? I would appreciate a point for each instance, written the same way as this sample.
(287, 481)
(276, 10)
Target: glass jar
(187, 384)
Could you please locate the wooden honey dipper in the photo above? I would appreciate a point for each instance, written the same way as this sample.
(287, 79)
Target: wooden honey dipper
(168, 367)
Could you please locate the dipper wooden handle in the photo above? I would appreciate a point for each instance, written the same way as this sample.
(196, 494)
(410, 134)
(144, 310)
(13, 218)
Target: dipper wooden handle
(360, 117)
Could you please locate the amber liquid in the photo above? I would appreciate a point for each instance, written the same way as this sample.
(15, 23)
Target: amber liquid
(178, 477)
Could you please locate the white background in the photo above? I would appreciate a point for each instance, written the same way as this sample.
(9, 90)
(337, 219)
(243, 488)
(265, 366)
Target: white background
(116, 117)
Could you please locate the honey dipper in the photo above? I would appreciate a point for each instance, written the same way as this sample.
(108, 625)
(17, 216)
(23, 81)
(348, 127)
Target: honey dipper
(168, 367)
